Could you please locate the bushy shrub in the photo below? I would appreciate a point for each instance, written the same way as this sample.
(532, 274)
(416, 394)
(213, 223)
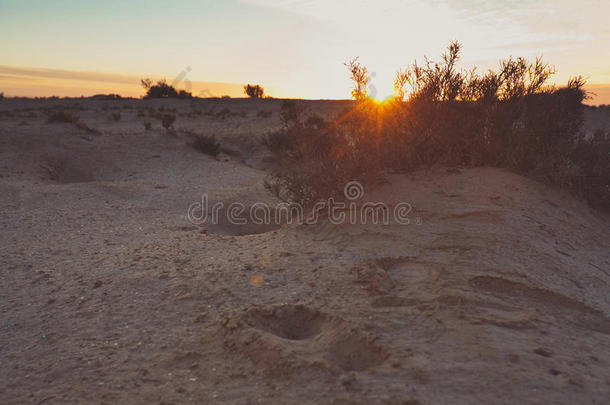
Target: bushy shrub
(590, 174)
(507, 118)
(315, 159)
(254, 91)
(116, 116)
(61, 117)
(147, 125)
(162, 90)
(167, 120)
(290, 112)
(206, 144)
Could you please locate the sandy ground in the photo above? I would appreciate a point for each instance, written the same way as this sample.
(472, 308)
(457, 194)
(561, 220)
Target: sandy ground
(497, 291)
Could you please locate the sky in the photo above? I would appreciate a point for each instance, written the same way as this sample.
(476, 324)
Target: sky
(293, 48)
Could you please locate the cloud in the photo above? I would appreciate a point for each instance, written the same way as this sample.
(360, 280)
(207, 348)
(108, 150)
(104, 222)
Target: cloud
(68, 74)
(29, 81)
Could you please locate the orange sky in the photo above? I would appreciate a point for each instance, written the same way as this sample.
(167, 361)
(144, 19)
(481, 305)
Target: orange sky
(37, 82)
(294, 48)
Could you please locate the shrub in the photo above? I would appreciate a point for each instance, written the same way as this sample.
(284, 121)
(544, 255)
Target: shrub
(315, 159)
(116, 116)
(206, 144)
(290, 112)
(507, 118)
(167, 120)
(590, 172)
(147, 125)
(360, 77)
(254, 91)
(1, 96)
(162, 90)
(61, 117)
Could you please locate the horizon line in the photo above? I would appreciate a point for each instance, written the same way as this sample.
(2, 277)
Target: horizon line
(211, 89)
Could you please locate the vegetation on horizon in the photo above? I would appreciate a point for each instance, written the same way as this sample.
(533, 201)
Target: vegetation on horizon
(254, 91)
(163, 90)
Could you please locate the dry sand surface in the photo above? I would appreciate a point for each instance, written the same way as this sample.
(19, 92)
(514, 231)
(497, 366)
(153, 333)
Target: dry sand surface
(497, 291)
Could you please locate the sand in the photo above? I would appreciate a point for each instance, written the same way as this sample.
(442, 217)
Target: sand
(497, 291)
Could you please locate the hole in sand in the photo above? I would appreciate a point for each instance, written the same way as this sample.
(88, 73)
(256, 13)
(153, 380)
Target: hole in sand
(287, 322)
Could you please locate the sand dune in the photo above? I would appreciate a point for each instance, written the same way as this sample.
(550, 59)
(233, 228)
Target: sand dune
(496, 291)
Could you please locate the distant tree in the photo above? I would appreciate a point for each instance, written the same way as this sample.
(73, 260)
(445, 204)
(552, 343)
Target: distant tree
(254, 91)
(163, 90)
(1, 96)
(359, 75)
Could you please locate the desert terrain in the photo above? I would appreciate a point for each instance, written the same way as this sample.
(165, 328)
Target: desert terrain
(496, 291)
